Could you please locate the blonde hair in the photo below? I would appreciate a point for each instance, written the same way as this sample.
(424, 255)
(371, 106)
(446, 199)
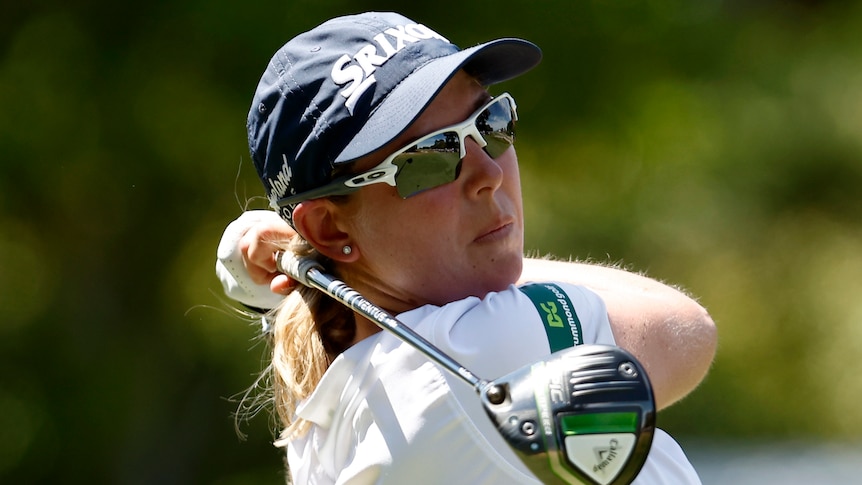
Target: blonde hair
(310, 329)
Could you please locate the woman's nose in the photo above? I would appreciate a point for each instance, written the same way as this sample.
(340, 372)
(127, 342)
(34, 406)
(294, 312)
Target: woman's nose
(478, 170)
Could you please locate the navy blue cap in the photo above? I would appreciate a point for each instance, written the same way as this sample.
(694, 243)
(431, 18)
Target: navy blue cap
(350, 86)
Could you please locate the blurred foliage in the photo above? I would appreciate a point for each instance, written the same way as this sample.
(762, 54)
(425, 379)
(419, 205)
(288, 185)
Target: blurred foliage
(713, 144)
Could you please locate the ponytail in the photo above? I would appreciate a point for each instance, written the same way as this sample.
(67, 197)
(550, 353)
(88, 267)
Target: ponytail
(310, 329)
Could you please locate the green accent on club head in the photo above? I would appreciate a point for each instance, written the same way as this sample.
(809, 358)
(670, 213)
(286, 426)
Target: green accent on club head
(595, 423)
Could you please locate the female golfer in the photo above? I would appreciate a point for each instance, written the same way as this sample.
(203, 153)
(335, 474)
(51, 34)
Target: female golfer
(387, 159)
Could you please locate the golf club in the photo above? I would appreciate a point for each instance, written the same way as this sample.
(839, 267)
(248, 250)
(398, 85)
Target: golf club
(583, 415)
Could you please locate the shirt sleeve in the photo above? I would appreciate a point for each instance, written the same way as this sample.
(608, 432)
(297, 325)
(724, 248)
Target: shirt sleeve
(594, 311)
(504, 331)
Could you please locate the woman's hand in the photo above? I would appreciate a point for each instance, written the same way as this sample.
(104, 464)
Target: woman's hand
(258, 245)
(246, 259)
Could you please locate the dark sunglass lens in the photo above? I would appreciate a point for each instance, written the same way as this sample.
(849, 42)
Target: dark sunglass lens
(442, 142)
(497, 126)
(497, 143)
(432, 162)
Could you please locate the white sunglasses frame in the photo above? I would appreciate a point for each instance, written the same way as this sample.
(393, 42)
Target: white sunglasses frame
(386, 170)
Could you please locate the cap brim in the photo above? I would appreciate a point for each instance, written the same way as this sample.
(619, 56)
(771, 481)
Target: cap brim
(490, 63)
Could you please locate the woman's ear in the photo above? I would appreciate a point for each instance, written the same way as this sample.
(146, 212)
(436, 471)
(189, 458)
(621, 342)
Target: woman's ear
(316, 221)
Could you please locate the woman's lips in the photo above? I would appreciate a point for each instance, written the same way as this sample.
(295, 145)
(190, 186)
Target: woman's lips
(497, 233)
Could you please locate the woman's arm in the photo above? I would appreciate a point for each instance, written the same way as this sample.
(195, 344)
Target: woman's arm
(669, 332)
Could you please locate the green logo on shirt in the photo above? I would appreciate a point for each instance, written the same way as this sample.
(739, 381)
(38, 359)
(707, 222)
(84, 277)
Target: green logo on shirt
(558, 315)
(550, 309)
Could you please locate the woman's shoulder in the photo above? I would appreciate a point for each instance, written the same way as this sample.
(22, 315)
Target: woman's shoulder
(515, 302)
(511, 325)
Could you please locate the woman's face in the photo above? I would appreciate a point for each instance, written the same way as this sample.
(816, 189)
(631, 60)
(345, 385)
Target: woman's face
(464, 238)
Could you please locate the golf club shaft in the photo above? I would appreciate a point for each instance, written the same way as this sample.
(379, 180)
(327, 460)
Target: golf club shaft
(310, 273)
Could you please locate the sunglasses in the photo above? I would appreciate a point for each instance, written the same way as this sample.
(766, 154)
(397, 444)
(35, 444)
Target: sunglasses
(434, 159)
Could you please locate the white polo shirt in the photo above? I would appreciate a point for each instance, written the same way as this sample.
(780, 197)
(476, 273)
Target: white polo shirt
(384, 414)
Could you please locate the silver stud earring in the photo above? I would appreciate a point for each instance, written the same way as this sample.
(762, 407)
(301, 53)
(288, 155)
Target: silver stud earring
(347, 249)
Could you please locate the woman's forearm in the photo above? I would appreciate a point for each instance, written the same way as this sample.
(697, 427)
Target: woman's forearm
(668, 331)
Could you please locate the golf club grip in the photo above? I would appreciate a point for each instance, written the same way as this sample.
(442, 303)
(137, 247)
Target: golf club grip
(310, 273)
(296, 267)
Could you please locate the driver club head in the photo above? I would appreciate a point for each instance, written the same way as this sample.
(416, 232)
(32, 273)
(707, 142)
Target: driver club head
(583, 415)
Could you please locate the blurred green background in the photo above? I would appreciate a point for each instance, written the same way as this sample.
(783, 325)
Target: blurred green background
(714, 144)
